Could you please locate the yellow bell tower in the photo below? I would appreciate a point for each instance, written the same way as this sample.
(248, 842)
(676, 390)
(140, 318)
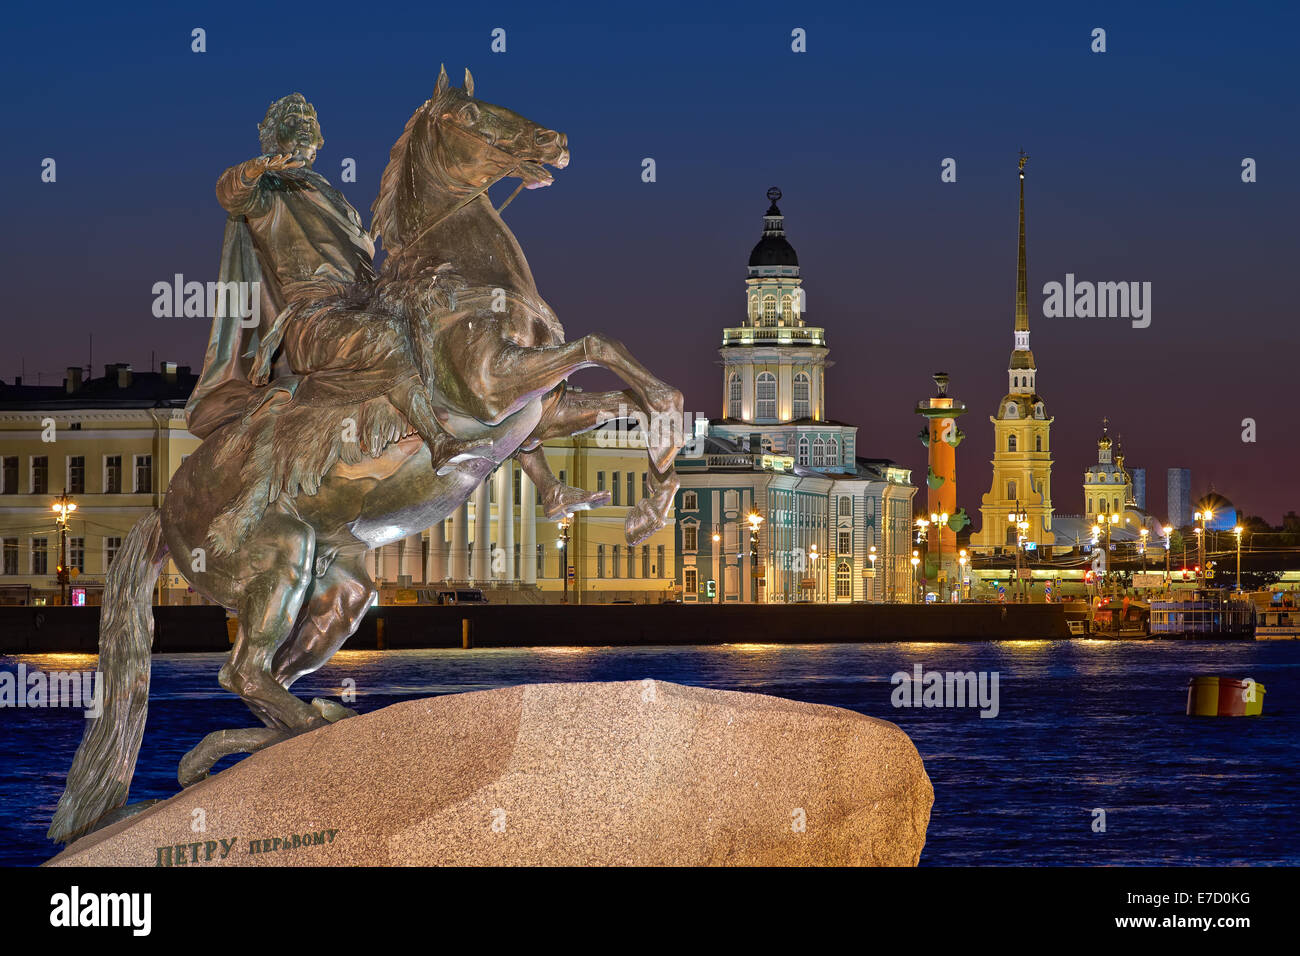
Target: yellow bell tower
(1022, 451)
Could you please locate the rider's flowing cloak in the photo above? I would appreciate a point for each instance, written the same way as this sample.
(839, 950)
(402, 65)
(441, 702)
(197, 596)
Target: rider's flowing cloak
(284, 228)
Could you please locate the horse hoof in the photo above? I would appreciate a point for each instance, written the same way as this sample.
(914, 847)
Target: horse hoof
(331, 711)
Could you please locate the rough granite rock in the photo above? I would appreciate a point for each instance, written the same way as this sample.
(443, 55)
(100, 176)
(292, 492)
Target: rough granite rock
(630, 773)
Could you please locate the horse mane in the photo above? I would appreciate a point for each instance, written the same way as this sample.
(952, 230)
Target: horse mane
(385, 219)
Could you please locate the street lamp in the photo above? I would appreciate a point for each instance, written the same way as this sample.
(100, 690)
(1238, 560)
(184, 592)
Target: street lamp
(871, 556)
(1106, 521)
(916, 559)
(1237, 531)
(563, 545)
(812, 566)
(1168, 530)
(923, 537)
(939, 520)
(63, 508)
(1143, 548)
(755, 519)
(1204, 517)
(1020, 521)
(961, 579)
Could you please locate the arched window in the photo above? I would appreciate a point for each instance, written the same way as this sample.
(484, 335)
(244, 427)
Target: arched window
(802, 391)
(1090, 511)
(1116, 506)
(846, 505)
(1038, 443)
(766, 395)
(1011, 443)
(1012, 411)
(787, 312)
(843, 581)
(734, 396)
(803, 450)
(753, 308)
(767, 445)
(819, 453)
(1011, 490)
(769, 310)
(832, 452)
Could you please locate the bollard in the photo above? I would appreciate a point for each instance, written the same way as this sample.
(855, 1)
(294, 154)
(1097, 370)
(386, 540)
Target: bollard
(466, 638)
(1224, 697)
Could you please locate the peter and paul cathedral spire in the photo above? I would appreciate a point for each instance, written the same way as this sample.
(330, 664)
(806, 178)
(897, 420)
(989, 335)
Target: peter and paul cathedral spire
(1022, 460)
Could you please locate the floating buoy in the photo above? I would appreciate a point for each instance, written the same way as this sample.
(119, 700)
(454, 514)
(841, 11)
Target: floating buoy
(1224, 697)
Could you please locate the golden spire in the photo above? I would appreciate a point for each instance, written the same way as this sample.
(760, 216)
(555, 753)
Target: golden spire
(1022, 281)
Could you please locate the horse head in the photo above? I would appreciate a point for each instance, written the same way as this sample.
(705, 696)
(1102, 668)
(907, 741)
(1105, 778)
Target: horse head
(454, 147)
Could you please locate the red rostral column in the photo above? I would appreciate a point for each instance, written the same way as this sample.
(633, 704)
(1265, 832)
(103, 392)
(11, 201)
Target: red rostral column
(942, 436)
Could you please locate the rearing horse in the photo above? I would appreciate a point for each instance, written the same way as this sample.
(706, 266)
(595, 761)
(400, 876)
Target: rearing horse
(273, 516)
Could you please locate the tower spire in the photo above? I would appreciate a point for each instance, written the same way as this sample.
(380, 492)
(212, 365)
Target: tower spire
(1022, 279)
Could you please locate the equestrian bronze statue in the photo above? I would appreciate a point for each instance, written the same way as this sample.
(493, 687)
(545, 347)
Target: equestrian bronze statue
(359, 409)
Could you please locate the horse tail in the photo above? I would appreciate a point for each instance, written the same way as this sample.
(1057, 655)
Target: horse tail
(100, 778)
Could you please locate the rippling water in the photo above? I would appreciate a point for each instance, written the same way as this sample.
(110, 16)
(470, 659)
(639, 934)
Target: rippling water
(1082, 725)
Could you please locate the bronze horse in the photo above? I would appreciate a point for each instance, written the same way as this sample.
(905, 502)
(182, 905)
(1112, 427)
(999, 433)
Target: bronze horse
(274, 515)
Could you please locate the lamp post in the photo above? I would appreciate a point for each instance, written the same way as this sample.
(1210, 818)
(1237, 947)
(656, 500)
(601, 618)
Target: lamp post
(916, 559)
(1237, 531)
(1143, 548)
(939, 520)
(1107, 521)
(755, 519)
(961, 575)
(1168, 530)
(563, 544)
(1204, 517)
(1020, 521)
(871, 556)
(923, 537)
(63, 508)
(812, 566)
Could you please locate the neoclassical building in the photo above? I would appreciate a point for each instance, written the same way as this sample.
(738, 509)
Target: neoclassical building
(777, 461)
(1022, 450)
(112, 444)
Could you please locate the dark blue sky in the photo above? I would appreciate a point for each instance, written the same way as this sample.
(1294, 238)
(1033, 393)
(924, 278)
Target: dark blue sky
(1135, 175)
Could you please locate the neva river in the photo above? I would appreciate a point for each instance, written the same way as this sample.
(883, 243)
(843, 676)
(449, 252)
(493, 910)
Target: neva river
(1082, 725)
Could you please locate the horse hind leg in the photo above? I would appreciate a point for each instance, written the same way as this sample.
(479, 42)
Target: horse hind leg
(281, 552)
(331, 613)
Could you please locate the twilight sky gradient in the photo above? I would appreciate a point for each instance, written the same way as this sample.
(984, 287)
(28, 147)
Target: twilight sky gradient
(1134, 175)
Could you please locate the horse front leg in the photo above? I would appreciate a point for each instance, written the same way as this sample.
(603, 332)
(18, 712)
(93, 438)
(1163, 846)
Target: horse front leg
(576, 412)
(517, 373)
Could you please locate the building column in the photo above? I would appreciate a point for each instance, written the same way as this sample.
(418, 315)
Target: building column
(506, 517)
(482, 570)
(460, 543)
(438, 551)
(413, 558)
(528, 529)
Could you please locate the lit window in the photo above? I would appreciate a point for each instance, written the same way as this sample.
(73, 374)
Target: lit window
(803, 449)
(1011, 443)
(769, 310)
(843, 581)
(766, 395)
(802, 391)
